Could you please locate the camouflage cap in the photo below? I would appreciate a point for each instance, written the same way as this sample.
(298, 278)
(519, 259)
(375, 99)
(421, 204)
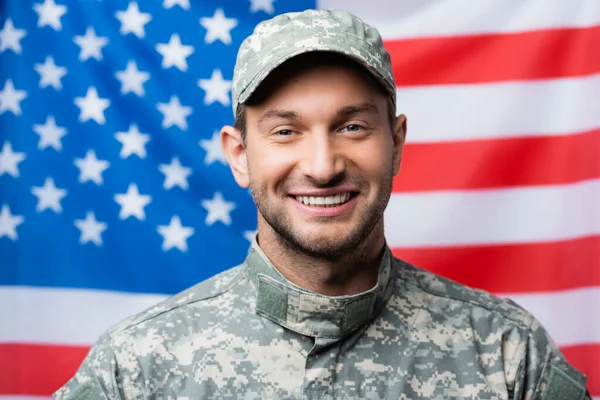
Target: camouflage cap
(288, 35)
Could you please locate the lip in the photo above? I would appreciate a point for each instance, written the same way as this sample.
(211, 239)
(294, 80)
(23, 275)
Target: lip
(325, 192)
(313, 211)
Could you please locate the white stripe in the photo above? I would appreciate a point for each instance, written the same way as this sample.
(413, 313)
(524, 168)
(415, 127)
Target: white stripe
(502, 216)
(496, 110)
(15, 397)
(79, 317)
(419, 18)
(64, 316)
(571, 317)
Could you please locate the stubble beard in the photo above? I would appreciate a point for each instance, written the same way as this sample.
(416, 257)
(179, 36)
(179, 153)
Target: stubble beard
(350, 246)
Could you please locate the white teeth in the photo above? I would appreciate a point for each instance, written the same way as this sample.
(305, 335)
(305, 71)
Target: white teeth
(324, 201)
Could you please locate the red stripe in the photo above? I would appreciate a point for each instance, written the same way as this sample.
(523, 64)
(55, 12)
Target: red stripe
(540, 267)
(528, 55)
(39, 370)
(494, 163)
(586, 358)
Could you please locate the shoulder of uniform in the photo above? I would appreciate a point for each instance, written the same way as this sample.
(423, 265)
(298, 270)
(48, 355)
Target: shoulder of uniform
(213, 287)
(438, 286)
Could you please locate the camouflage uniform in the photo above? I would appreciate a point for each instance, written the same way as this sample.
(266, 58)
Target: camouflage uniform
(248, 333)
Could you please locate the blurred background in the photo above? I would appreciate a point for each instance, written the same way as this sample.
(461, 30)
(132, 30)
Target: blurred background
(114, 192)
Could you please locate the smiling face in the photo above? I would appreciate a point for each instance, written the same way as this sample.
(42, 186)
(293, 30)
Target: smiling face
(320, 154)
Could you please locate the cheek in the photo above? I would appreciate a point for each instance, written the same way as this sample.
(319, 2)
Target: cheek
(374, 160)
(270, 164)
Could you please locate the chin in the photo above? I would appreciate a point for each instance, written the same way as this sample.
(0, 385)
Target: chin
(325, 242)
(324, 233)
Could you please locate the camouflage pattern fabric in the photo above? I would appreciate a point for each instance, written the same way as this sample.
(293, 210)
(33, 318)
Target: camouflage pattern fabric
(288, 35)
(248, 333)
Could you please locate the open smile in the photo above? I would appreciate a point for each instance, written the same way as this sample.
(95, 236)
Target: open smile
(325, 201)
(333, 205)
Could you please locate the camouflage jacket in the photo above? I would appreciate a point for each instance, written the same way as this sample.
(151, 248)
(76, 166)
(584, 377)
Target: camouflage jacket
(248, 333)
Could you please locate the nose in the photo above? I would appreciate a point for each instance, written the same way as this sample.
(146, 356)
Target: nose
(322, 159)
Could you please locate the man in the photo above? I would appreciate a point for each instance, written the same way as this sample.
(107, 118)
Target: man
(321, 309)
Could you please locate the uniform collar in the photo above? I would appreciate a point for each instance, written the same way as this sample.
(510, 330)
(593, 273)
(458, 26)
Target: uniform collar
(310, 313)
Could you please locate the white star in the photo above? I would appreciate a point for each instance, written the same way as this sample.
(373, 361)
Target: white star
(90, 44)
(262, 5)
(50, 73)
(132, 79)
(132, 20)
(216, 88)
(133, 142)
(174, 113)
(10, 37)
(218, 209)
(49, 13)
(133, 203)
(175, 235)
(90, 168)
(92, 107)
(50, 134)
(49, 196)
(9, 223)
(218, 27)
(174, 53)
(214, 151)
(9, 160)
(185, 4)
(91, 229)
(10, 98)
(249, 235)
(175, 174)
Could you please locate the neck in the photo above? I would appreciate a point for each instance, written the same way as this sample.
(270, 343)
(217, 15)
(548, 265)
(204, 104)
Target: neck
(353, 273)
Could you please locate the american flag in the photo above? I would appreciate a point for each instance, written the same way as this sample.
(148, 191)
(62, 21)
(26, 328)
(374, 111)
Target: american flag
(114, 192)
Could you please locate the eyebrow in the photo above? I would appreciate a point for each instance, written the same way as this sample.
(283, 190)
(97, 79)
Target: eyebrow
(342, 112)
(356, 109)
(277, 113)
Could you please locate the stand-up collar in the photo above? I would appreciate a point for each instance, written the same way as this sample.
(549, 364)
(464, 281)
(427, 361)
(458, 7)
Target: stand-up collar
(310, 313)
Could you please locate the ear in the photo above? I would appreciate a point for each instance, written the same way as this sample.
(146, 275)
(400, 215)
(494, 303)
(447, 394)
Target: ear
(399, 135)
(235, 152)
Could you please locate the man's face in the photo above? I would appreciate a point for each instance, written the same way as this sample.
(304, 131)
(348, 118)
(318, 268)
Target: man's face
(321, 155)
